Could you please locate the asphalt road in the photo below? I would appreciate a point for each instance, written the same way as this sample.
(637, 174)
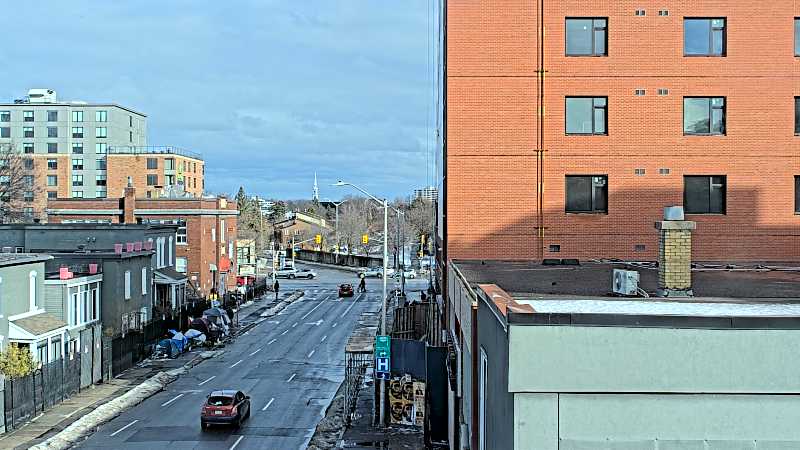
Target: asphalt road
(291, 365)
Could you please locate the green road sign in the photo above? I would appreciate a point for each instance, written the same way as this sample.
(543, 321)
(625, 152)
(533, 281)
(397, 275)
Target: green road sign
(382, 346)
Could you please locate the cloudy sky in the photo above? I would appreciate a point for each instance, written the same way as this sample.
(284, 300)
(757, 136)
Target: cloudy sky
(267, 91)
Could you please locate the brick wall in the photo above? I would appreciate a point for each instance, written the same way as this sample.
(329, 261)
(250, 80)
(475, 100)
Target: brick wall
(493, 209)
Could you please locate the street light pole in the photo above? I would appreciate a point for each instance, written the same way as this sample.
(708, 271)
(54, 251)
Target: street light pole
(382, 391)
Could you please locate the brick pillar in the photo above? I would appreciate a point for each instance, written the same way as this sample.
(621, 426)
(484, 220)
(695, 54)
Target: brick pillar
(675, 258)
(129, 203)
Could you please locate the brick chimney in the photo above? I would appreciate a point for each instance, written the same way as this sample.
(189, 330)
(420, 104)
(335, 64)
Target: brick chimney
(129, 203)
(675, 254)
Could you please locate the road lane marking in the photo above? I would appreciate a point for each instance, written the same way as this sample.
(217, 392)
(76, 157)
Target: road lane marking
(334, 325)
(312, 310)
(284, 332)
(350, 307)
(311, 354)
(125, 427)
(272, 341)
(73, 412)
(251, 354)
(290, 378)
(270, 402)
(236, 363)
(236, 443)
(317, 323)
(295, 324)
(170, 401)
(323, 338)
(204, 382)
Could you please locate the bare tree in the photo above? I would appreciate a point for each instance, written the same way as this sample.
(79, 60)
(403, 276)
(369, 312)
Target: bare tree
(17, 187)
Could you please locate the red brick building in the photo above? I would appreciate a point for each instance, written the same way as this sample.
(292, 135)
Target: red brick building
(206, 237)
(571, 124)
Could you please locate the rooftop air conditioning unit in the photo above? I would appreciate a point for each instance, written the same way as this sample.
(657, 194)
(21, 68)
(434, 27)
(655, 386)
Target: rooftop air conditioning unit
(625, 282)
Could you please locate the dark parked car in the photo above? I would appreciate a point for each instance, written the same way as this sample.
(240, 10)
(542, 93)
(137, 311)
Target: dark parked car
(225, 407)
(345, 290)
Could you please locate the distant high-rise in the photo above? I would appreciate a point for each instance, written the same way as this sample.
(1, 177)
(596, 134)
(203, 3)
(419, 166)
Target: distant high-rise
(429, 193)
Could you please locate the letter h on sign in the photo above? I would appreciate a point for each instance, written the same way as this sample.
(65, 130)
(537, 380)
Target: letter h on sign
(382, 364)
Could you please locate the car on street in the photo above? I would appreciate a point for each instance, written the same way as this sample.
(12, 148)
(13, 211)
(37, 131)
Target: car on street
(407, 273)
(225, 407)
(376, 272)
(345, 290)
(286, 273)
(306, 273)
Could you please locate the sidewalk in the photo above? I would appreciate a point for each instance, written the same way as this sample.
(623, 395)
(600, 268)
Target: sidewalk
(65, 413)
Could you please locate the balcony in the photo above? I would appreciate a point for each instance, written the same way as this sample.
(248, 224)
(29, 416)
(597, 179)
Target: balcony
(153, 150)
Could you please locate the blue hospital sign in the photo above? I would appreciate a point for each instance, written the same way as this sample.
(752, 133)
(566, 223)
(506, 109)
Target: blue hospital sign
(382, 364)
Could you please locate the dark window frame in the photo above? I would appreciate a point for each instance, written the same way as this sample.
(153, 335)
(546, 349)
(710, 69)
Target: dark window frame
(711, 109)
(27, 130)
(796, 41)
(604, 107)
(154, 177)
(52, 147)
(595, 28)
(724, 189)
(797, 116)
(797, 194)
(5, 132)
(52, 132)
(711, 28)
(594, 209)
(51, 114)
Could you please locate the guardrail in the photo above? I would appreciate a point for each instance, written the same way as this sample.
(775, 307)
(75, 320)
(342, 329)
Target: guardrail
(153, 150)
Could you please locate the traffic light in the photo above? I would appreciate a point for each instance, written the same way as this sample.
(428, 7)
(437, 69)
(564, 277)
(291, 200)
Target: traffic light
(318, 239)
(365, 239)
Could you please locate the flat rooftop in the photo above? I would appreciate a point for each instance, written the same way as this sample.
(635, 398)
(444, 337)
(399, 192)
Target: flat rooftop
(13, 259)
(726, 296)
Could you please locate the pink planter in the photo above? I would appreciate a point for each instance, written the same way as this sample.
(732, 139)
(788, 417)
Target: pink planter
(129, 246)
(92, 269)
(137, 246)
(148, 245)
(118, 249)
(63, 273)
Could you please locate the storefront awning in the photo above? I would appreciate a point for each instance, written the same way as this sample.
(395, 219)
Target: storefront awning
(168, 275)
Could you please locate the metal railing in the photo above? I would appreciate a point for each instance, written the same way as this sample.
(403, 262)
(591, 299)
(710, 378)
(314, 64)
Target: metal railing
(153, 150)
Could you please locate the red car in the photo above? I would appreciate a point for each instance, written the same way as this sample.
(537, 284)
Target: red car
(345, 290)
(225, 407)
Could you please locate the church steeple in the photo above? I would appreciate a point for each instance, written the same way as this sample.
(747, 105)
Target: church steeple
(315, 196)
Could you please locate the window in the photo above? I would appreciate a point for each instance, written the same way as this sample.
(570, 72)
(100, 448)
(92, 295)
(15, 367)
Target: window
(797, 115)
(28, 196)
(5, 116)
(77, 180)
(213, 235)
(77, 164)
(180, 236)
(797, 194)
(27, 180)
(704, 37)
(52, 132)
(52, 164)
(101, 192)
(101, 148)
(28, 163)
(101, 132)
(55, 346)
(152, 180)
(222, 230)
(127, 285)
(52, 116)
(170, 244)
(586, 37)
(77, 132)
(28, 212)
(77, 147)
(586, 115)
(27, 147)
(169, 180)
(152, 163)
(587, 194)
(100, 180)
(130, 121)
(77, 116)
(169, 164)
(27, 132)
(52, 195)
(52, 147)
(144, 280)
(77, 194)
(704, 115)
(5, 132)
(130, 136)
(41, 352)
(101, 116)
(180, 264)
(101, 164)
(52, 180)
(27, 116)
(796, 46)
(704, 194)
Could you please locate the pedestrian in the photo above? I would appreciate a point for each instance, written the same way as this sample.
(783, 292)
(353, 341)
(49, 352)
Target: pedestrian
(277, 287)
(362, 285)
(422, 297)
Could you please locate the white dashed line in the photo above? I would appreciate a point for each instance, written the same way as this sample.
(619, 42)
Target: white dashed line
(312, 310)
(251, 354)
(295, 324)
(311, 354)
(236, 363)
(284, 332)
(125, 427)
(334, 325)
(290, 378)
(270, 402)
(271, 342)
(236, 443)
(170, 401)
(323, 338)
(204, 382)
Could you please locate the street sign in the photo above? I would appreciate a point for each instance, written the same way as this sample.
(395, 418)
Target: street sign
(383, 375)
(382, 364)
(382, 346)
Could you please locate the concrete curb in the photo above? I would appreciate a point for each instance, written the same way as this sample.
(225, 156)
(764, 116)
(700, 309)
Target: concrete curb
(283, 304)
(84, 426)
